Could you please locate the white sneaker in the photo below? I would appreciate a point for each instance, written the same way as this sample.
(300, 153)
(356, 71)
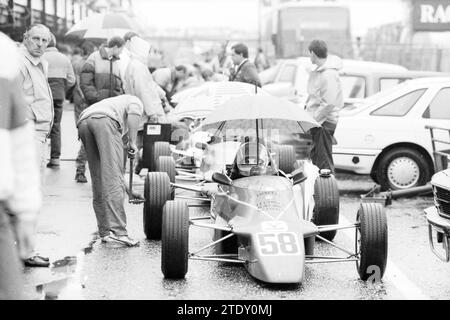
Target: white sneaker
(124, 239)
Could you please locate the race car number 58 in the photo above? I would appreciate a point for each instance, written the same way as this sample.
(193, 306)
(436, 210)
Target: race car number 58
(278, 243)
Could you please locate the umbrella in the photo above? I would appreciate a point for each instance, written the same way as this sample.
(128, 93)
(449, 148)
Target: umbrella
(252, 107)
(198, 102)
(277, 118)
(103, 26)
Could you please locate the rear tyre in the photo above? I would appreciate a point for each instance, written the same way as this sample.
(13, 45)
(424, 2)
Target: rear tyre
(160, 149)
(402, 168)
(166, 164)
(326, 204)
(175, 240)
(371, 241)
(286, 158)
(157, 192)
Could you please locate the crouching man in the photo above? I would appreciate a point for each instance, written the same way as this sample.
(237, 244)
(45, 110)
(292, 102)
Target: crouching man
(102, 128)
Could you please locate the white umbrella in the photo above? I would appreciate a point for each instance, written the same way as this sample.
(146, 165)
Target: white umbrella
(103, 26)
(198, 102)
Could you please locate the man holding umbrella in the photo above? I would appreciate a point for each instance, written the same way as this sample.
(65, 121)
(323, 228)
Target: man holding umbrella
(100, 77)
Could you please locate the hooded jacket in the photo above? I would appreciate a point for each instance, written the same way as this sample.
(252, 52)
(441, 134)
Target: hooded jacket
(138, 81)
(325, 97)
(100, 77)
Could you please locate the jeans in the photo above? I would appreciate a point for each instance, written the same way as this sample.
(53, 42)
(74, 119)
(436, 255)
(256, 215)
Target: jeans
(55, 134)
(81, 157)
(104, 148)
(322, 146)
(11, 285)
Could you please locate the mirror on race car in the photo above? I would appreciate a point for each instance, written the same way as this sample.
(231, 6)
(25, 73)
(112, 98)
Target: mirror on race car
(298, 177)
(222, 179)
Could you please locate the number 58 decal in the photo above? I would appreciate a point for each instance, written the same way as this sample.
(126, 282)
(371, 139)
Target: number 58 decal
(278, 243)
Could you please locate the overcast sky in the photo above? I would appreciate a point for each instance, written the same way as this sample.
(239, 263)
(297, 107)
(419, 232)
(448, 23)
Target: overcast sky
(243, 14)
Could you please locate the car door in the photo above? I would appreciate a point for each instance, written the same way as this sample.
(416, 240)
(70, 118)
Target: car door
(437, 113)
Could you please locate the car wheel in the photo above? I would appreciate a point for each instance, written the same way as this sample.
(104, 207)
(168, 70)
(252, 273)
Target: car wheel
(160, 149)
(402, 168)
(326, 204)
(166, 164)
(371, 241)
(157, 192)
(286, 158)
(175, 240)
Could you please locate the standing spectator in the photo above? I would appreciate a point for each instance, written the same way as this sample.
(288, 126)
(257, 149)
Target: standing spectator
(102, 127)
(60, 78)
(324, 102)
(100, 77)
(261, 61)
(38, 96)
(169, 79)
(20, 194)
(245, 70)
(79, 105)
(125, 56)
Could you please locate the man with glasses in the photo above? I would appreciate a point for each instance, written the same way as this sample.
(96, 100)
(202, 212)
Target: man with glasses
(39, 100)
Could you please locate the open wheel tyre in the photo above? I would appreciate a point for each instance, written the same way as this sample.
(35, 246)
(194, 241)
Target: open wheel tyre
(157, 192)
(167, 164)
(175, 240)
(326, 204)
(371, 241)
(286, 158)
(160, 149)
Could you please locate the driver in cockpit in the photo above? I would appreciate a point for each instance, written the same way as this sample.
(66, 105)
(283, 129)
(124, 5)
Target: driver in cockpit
(252, 159)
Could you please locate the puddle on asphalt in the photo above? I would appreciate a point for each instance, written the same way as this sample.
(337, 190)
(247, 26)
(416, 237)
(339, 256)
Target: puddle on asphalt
(70, 284)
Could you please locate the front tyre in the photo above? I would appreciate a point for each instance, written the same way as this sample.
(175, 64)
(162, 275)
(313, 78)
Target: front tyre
(175, 240)
(371, 241)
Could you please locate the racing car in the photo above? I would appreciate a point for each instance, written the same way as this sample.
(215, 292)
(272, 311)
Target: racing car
(266, 210)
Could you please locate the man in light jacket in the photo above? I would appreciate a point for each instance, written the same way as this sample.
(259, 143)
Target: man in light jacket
(39, 100)
(20, 194)
(325, 99)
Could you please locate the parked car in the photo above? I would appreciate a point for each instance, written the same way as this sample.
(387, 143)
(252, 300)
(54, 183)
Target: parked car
(438, 216)
(385, 135)
(360, 79)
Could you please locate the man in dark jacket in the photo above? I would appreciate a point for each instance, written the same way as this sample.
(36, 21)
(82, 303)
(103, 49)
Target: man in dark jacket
(245, 70)
(100, 77)
(60, 78)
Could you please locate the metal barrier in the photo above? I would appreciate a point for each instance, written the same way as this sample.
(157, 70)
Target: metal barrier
(441, 157)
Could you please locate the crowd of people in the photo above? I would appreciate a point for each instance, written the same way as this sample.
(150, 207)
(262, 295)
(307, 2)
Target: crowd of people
(114, 92)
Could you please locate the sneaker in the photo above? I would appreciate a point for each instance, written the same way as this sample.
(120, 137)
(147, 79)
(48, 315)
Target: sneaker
(125, 240)
(106, 239)
(80, 178)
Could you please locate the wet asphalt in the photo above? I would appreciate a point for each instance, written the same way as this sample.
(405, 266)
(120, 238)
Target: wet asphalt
(83, 268)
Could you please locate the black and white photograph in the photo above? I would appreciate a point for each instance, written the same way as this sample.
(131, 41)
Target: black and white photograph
(225, 156)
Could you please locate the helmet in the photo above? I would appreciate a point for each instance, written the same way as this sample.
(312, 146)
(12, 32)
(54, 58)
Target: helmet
(246, 158)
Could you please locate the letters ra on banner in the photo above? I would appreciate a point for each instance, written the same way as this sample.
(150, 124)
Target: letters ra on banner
(431, 15)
